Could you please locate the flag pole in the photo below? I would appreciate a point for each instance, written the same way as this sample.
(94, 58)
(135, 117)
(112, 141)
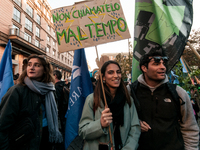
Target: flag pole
(104, 96)
(197, 80)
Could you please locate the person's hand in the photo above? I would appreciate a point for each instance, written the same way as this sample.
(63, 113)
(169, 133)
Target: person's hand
(144, 126)
(106, 117)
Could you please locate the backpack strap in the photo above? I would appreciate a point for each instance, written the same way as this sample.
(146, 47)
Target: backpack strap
(176, 97)
(133, 87)
(172, 89)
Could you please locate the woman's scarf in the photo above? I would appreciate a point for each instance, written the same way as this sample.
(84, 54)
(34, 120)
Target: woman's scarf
(116, 106)
(50, 106)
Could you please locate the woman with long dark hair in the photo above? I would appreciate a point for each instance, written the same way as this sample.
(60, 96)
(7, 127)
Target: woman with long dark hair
(120, 115)
(33, 98)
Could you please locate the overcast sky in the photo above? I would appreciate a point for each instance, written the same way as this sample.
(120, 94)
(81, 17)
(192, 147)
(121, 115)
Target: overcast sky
(119, 46)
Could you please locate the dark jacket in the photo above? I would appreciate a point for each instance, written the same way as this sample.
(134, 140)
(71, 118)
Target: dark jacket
(59, 91)
(160, 111)
(188, 126)
(17, 103)
(62, 102)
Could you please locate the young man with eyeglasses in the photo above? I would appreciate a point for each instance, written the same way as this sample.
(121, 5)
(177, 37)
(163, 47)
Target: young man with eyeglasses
(166, 115)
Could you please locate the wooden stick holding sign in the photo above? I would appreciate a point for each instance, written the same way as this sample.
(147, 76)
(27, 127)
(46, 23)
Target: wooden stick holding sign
(104, 96)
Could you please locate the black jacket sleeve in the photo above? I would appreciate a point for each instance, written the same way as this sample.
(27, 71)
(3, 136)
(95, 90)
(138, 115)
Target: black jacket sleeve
(9, 109)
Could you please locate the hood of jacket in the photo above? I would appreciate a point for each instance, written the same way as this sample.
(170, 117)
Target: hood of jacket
(142, 81)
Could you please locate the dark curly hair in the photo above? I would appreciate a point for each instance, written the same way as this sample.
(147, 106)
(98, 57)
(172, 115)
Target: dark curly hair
(144, 60)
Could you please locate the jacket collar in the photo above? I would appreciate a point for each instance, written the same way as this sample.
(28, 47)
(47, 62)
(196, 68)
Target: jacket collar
(142, 81)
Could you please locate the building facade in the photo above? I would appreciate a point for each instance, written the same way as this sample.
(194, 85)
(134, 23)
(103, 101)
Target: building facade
(112, 56)
(29, 26)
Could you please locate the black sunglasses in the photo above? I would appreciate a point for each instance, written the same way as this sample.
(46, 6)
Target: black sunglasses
(158, 58)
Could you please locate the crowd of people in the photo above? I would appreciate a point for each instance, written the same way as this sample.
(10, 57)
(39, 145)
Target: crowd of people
(148, 114)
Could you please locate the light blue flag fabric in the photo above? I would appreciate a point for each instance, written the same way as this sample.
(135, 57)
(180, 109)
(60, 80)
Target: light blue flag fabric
(184, 67)
(6, 74)
(81, 87)
(175, 81)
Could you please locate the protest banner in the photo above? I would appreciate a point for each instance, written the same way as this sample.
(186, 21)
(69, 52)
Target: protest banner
(162, 25)
(89, 23)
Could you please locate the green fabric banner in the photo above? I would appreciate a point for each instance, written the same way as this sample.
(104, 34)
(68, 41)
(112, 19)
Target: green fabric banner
(163, 25)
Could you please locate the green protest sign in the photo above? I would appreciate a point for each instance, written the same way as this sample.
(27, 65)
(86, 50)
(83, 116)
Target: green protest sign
(89, 23)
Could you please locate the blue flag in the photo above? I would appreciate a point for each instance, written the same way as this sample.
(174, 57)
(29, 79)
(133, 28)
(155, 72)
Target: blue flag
(81, 87)
(6, 74)
(184, 69)
(173, 78)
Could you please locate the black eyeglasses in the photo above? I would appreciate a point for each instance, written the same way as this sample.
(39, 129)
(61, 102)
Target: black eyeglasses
(158, 58)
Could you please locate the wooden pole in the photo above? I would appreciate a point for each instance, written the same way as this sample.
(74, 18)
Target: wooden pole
(104, 96)
(197, 54)
(191, 79)
(197, 80)
(193, 49)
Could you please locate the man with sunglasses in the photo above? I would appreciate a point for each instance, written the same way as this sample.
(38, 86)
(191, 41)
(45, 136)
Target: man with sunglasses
(165, 111)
